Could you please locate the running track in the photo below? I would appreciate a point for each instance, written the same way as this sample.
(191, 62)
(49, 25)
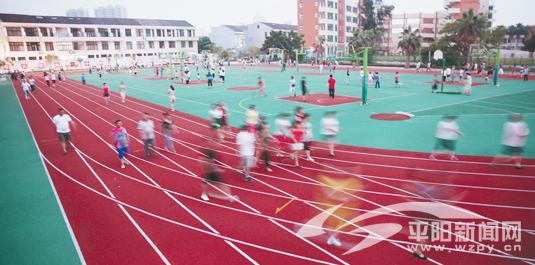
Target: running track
(151, 211)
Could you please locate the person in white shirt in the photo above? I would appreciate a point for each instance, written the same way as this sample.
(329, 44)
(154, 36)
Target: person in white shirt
(63, 122)
(216, 118)
(246, 143)
(307, 137)
(32, 83)
(515, 133)
(418, 67)
(53, 78)
(146, 132)
(468, 84)
(172, 98)
(329, 129)
(446, 133)
(448, 74)
(428, 67)
(282, 132)
(321, 68)
(47, 79)
(292, 86)
(26, 89)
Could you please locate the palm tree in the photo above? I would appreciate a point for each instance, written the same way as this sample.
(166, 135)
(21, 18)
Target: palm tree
(360, 38)
(471, 29)
(410, 42)
(517, 31)
(320, 42)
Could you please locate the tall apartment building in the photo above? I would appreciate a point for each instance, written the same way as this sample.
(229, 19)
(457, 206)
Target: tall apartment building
(27, 39)
(455, 8)
(335, 20)
(111, 12)
(80, 12)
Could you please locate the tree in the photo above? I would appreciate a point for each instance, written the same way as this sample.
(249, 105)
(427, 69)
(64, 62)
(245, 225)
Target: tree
(8, 61)
(471, 29)
(50, 59)
(288, 41)
(205, 43)
(410, 42)
(529, 45)
(80, 60)
(320, 40)
(253, 51)
(227, 54)
(134, 57)
(217, 50)
(495, 37)
(374, 13)
(517, 31)
(361, 38)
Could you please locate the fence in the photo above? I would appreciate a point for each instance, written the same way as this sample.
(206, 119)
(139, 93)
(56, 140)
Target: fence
(399, 60)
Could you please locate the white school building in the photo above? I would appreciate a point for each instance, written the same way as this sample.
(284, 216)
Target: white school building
(80, 42)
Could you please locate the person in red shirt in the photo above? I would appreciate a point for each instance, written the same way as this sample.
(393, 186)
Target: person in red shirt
(397, 80)
(330, 84)
(297, 145)
(106, 91)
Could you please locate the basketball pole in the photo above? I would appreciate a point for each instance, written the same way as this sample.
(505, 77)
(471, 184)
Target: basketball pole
(297, 53)
(364, 60)
(496, 64)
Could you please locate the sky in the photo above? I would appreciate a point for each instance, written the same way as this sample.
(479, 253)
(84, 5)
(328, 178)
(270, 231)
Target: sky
(205, 14)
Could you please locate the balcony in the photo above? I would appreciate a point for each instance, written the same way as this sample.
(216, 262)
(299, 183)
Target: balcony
(90, 34)
(104, 34)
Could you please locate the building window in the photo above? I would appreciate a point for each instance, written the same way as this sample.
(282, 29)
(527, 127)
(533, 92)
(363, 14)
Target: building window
(31, 32)
(330, 38)
(193, 31)
(49, 46)
(355, 20)
(348, 29)
(181, 33)
(128, 32)
(322, 15)
(330, 16)
(355, 10)
(190, 44)
(33, 46)
(139, 32)
(78, 46)
(91, 45)
(16, 46)
(117, 45)
(183, 44)
(301, 16)
(162, 44)
(336, 5)
(189, 33)
(348, 19)
(140, 45)
(32, 58)
(129, 45)
(322, 3)
(103, 32)
(322, 27)
(105, 45)
(151, 44)
(330, 27)
(316, 27)
(330, 4)
(64, 46)
(300, 4)
(335, 38)
(44, 32)
(316, 15)
(116, 32)
(172, 44)
(316, 3)
(335, 27)
(335, 16)
(301, 27)
(147, 33)
(14, 31)
(169, 34)
(21, 58)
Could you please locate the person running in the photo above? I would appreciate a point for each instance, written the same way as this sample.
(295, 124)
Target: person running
(32, 83)
(347, 79)
(168, 129)
(26, 89)
(261, 87)
(297, 145)
(377, 83)
(468, 84)
(513, 70)
(83, 79)
(146, 132)
(106, 92)
(292, 86)
(122, 91)
(246, 143)
(282, 131)
(526, 73)
(59, 76)
(63, 123)
(307, 137)
(209, 78)
(216, 123)
(304, 88)
(188, 77)
(428, 66)
(212, 177)
(515, 132)
(121, 141)
(224, 125)
(299, 114)
(330, 84)
(418, 67)
(53, 78)
(222, 75)
(47, 79)
(263, 140)
(198, 77)
(172, 98)
(500, 69)
(446, 133)
(329, 129)
(396, 78)
(252, 118)
(434, 87)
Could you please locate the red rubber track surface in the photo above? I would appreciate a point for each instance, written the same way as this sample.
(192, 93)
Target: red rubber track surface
(448, 83)
(323, 99)
(389, 117)
(107, 235)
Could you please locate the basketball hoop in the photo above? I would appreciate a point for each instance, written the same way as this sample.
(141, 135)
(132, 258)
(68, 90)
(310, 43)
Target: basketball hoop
(438, 55)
